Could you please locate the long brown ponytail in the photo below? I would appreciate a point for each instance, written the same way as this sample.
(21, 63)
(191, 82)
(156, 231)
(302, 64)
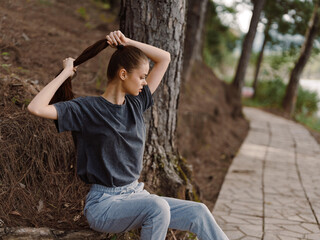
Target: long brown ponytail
(128, 57)
(64, 93)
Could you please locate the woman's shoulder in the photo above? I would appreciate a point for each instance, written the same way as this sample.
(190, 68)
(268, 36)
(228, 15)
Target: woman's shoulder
(86, 98)
(83, 101)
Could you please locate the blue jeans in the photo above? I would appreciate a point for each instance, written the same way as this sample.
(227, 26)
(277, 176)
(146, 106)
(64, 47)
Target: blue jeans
(120, 209)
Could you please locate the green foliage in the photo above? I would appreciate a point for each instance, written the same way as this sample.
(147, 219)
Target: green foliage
(297, 16)
(286, 18)
(270, 93)
(307, 102)
(83, 13)
(45, 2)
(228, 79)
(219, 39)
(310, 121)
(18, 101)
(191, 236)
(284, 59)
(88, 25)
(277, 65)
(22, 70)
(104, 4)
(6, 67)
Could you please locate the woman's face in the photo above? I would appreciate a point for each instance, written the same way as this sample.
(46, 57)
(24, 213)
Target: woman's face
(136, 79)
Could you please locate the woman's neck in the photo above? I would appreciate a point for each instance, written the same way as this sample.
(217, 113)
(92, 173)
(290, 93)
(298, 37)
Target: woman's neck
(114, 93)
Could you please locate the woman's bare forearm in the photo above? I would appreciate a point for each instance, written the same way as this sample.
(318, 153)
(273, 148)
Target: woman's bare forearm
(154, 53)
(43, 98)
(157, 55)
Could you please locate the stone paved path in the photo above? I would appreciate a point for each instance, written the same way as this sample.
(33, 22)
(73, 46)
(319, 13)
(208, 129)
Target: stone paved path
(272, 188)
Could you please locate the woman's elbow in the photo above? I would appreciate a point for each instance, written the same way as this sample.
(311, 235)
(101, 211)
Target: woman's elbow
(49, 111)
(168, 57)
(32, 109)
(35, 110)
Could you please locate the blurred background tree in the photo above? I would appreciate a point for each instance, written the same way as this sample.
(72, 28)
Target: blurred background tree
(193, 43)
(219, 40)
(312, 30)
(247, 45)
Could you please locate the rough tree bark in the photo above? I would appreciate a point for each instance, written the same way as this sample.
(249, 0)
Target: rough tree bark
(161, 24)
(260, 57)
(194, 30)
(247, 46)
(290, 98)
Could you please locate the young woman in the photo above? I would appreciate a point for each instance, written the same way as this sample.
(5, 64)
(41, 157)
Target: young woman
(110, 134)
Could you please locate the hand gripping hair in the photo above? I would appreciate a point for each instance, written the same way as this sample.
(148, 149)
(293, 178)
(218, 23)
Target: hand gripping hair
(64, 92)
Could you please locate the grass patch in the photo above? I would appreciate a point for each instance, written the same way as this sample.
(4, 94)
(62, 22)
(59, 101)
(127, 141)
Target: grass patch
(270, 94)
(312, 122)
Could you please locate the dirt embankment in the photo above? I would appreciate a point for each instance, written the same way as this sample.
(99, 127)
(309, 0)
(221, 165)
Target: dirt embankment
(35, 37)
(211, 128)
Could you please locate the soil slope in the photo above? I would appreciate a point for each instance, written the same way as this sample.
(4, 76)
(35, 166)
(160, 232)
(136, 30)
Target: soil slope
(211, 128)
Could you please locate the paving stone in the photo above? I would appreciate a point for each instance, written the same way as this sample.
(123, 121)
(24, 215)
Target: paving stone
(252, 230)
(219, 219)
(288, 238)
(279, 221)
(296, 218)
(234, 220)
(313, 228)
(307, 217)
(291, 234)
(240, 207)
(313, 236)
(272, 228)
(270, 236)
(234, 235)
(250, 238)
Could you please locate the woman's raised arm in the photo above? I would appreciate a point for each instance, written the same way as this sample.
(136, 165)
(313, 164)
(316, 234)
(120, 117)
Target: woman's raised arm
(161, 58)
(39, 105)
(161, 61)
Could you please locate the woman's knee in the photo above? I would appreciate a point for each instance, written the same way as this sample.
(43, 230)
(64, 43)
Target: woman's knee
(200, 213)
(159, 207)
(203, 208)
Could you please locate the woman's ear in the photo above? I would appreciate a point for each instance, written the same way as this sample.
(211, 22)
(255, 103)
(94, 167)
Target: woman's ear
(123, 74)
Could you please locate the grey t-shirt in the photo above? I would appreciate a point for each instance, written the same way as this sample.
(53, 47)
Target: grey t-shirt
(110, 138)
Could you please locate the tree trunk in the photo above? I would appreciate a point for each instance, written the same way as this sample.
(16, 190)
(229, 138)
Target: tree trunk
(259, 60)
(194, 31)
(115, 6)
(247, 46)
(161, 24)
(290, 98)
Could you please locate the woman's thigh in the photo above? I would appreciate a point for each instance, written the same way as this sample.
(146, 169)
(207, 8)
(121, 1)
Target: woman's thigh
(184, 212)
(119, 213)
(194, 217)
